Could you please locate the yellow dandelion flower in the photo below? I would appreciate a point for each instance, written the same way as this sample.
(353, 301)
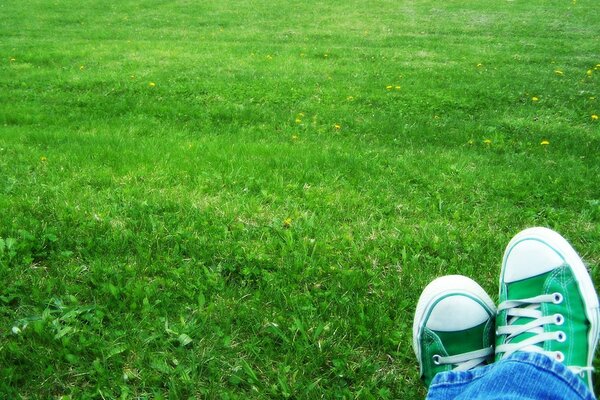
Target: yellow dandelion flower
(43, 159)
(397, 87)
(151, 84)
(559, 72)
(337, 127)
(298, 121)
(534, 99)
(544, 142)
(487, 141)
(594, 117)
(589, 72)
(389, 87)
(287, 222)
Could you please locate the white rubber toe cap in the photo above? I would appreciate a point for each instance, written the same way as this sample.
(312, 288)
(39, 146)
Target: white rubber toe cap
(451, 303)
(445, 318)
(528, 257)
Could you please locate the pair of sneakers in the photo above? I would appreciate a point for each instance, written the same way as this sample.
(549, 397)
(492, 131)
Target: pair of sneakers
(547, 304)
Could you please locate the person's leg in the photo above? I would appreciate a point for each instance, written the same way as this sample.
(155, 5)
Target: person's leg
(521, 376)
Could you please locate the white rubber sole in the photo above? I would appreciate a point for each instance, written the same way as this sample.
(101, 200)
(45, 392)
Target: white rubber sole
(440, 287)
(584, 281)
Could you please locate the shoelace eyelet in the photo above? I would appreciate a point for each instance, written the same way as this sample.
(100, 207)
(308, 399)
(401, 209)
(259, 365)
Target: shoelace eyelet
(561, 337)
(558, 298)
(558, 319)
(436, 359)
(559, 356)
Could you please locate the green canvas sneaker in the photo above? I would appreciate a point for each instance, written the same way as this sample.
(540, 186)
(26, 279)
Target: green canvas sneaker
(453, 327)
(547, 302)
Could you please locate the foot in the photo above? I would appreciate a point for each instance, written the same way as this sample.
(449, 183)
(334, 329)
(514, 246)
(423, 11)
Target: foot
(547, 302)
(453, 327)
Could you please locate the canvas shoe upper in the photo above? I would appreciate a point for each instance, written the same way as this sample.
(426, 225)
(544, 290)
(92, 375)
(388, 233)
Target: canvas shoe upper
(547, 302)
(453, 327)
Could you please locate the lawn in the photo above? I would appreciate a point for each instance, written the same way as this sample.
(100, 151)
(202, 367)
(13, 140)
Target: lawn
(214, 199)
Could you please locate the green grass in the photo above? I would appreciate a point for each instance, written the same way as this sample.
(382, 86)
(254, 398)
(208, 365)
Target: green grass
(261, 221)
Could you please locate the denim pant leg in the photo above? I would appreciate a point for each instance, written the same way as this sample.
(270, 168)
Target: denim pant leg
(521, 376)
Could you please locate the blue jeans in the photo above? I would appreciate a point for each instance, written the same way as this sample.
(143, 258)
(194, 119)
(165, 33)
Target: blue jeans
(521, 376)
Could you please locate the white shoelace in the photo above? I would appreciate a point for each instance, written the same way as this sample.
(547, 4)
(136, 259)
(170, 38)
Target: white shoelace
(464, 361)
(530, 308)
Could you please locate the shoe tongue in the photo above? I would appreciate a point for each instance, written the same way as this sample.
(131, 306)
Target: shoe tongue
(524, 289)
(459, 342)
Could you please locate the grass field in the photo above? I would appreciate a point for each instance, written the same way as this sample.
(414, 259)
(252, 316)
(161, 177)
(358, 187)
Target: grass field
(213, 199)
